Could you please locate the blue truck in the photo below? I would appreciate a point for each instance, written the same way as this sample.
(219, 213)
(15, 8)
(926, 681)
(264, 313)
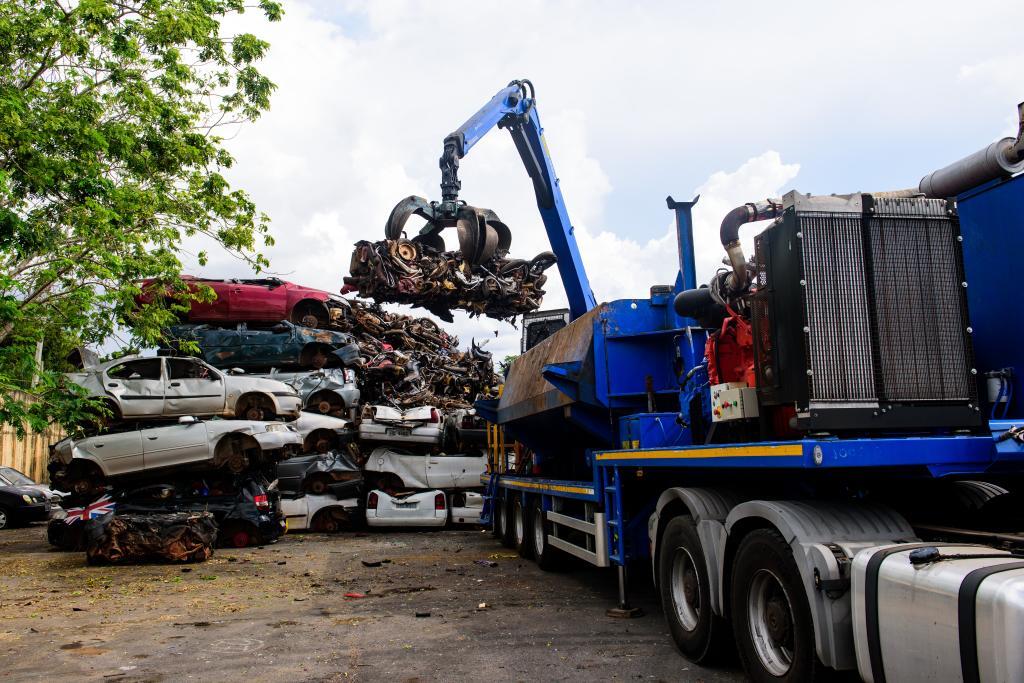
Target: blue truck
(819, 454)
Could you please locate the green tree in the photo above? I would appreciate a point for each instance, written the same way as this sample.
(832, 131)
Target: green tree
(112, 116)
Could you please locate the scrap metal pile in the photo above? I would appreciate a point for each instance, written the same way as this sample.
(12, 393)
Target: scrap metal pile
(479, 277)
(160, 537)
(411, 361)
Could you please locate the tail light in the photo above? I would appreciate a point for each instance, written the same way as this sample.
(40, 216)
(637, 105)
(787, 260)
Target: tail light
(439, 503)
(371, 501)
(261, 501)
(435, 416)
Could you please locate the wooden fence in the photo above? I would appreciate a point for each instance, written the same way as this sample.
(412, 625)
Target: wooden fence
(28, 455)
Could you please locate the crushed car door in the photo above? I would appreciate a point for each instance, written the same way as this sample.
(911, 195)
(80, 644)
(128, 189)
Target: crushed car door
(411, 468)
(193, 388)
(118, 453)
(455, 471)
(137, 386)
(265, 301)
(178, 444)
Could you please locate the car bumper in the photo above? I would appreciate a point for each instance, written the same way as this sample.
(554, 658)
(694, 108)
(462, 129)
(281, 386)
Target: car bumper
(430, 436)
(288, 405)
(38, 512)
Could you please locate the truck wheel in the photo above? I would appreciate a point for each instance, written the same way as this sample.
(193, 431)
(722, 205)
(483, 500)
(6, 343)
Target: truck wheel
(520, 528)
(770, 615)
(685, 590)
(547, 557)
(508, 538)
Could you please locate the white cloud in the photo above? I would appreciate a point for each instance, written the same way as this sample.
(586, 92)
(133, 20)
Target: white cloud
(637, 101)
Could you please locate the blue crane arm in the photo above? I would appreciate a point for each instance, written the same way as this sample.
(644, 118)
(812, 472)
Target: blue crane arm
(513, 109)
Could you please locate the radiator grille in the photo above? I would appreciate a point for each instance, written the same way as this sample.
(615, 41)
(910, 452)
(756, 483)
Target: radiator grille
(836, 308)
(920, 303)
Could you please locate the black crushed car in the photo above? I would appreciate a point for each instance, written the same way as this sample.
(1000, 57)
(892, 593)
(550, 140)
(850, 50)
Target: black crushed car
(20, 505)
(334, 472)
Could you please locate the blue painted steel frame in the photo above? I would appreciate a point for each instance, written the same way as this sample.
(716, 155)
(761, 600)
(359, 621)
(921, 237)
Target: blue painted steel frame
(510, 110)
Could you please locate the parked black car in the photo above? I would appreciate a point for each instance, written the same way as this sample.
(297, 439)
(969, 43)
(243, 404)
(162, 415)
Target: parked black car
(333, 472)
(282, 346)
(21, 505)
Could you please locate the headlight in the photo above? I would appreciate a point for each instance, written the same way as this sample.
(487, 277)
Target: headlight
(27, 498)
(277, 427)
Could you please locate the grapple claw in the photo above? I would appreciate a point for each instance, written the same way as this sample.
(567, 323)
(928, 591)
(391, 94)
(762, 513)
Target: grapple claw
(401, 213)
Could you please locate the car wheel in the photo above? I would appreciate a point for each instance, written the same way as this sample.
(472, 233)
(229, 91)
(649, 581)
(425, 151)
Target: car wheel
(686, 593)
(4, 519)
(317, 485)
(307, 315)
(320, 441)
(84, 480)
(521, 528)
(326, 522)
(771, 619)
(255, 407)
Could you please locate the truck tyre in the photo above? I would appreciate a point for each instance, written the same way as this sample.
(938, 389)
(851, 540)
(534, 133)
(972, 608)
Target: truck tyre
(547, 557)
(700, 634)
(521, 528)
(507, 531)
(771, 619)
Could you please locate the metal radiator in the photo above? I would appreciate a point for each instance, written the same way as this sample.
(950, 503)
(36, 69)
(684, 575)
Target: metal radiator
(861, 316)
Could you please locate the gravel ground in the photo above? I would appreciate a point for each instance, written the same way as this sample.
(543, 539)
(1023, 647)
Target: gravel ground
(279, 613)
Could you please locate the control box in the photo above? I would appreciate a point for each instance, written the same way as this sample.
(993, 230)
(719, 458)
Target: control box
(733, 401)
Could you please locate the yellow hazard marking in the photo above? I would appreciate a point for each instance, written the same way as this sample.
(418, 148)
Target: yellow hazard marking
(551, 487)
(784, 450)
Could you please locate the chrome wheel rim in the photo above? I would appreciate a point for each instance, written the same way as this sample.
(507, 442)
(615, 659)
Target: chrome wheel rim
(770, 619)
(3, 519)
(685, 589)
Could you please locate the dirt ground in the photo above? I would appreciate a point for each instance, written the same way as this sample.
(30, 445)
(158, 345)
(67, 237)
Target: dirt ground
(279, 613)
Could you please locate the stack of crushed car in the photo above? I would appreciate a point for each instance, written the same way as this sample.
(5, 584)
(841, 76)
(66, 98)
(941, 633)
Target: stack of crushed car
(479, 277)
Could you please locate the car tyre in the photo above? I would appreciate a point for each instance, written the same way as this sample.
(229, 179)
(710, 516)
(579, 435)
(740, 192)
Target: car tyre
(520, 528)
(771, 619)
(318, 485)
(700, 635)
(5, 518)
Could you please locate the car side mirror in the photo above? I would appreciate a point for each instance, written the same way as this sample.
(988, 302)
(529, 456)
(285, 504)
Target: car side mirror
(236, 371)
(187, 420)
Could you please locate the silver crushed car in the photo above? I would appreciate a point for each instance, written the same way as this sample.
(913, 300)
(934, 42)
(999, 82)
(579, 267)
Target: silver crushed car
(83, 466)
(398, 468)
(322, 433)
(422, 425)
(329, 391)
(137, 387)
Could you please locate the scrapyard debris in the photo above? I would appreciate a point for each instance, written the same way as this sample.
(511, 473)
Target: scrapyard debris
(412, 362)
(423, 274)
(165, 537)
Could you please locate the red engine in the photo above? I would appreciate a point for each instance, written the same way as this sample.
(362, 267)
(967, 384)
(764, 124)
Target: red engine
(730, 352)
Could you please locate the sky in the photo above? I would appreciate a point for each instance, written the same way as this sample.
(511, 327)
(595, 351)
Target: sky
(734, 101)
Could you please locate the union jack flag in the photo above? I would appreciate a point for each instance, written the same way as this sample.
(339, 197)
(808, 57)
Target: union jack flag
(97, 508)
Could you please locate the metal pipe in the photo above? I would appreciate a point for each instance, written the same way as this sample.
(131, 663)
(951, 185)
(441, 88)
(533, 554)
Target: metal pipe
(730, 235)
(1002, 159)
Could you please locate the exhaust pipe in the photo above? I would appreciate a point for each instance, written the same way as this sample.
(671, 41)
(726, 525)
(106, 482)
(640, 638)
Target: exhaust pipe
(1002, 159)
(730, 235)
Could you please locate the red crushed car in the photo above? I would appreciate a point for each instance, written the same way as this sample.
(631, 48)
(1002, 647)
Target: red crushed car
(257, 300)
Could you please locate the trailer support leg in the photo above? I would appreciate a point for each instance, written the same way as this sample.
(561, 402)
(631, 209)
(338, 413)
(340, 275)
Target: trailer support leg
(624, 611)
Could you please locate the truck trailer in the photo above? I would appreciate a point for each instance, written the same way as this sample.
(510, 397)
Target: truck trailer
(819, 454)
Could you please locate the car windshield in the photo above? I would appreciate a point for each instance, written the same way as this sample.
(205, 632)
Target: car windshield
(14, 478)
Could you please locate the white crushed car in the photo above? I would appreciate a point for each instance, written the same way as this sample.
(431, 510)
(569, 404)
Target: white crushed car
(397, 468)
(82, 466)
(319, 513)
(422, 425)
(138, 387)
(322, 433)
(420, 509)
